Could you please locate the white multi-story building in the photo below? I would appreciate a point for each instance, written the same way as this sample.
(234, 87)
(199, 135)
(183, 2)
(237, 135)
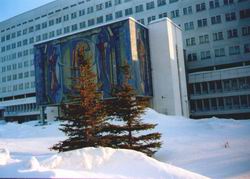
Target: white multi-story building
(216, 36)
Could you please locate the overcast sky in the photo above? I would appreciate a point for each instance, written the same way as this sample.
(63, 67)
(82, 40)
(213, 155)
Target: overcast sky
(11, 8)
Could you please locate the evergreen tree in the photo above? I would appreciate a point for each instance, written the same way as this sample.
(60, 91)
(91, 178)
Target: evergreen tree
(127, 108)
(83, 118)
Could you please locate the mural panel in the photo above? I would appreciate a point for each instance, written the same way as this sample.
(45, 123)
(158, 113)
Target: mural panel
(108, 47)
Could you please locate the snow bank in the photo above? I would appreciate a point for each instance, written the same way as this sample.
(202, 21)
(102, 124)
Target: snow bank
(115, 162)
(217, 148)
(4, 156)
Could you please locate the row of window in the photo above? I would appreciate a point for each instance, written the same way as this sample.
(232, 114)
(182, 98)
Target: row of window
(216, 36)
(17, 66)
(222, 103)
(16, 87)
(21, 75)
(218, 86)
(22, 108)
(16, 55)
(219, 52)
(214, 20)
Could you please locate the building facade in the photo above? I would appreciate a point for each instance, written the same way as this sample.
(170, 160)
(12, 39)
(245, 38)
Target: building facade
(216, 36)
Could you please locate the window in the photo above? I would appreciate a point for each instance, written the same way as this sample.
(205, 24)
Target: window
(128, 11)
(31, 40)
(73, 15)
(2, 49)
(141, 21)
(192, 57)
(66, 17)
(74, 27)
(45, 36)
(245, 13)
(82, 12)
(14, 77)
(175, 13)
(162, 15)
(90, 10)
(232, 33)
(58, 31)
(51, 34)
(13, 45)
(204, 39)
(58, 20)
(44, 25)
(200, 7)
(37, 27)
(150, 5)
(118, 14)
(117, 2)
(161, 2)
(172, 1)
(219, 52)
(66, 29)
(216, 19)
(108, 4)
(190, 41)
(187, 10)
(25, 52)
(189, 26)
(18, 33)
(205, 55)
(214, 4)
(20, 86)
(13, 35)
(218, 36)
(91, 22)
(234, 50)
(247, 48)
(246, 31)
(230, 16)
(2, 38)
(20, 75)
(151, 18)
(228, 2)
(202, 22)
(19, 44)
(38, 38)
(82, 25)
(139, 8)
(51, 22)
(99, 7)
(25, 42)
(99, 20)
(24, 32)
(109, 17)
(26, 74)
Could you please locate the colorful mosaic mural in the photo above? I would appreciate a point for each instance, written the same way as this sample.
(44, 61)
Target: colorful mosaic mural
(108, 47)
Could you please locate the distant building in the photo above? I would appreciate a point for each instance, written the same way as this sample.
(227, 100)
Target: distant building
(215, 37)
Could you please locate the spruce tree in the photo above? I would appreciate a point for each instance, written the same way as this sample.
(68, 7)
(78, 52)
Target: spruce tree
(83, 117)
(127, 108)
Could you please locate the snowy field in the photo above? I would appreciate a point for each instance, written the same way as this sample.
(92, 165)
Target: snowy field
(214, 148)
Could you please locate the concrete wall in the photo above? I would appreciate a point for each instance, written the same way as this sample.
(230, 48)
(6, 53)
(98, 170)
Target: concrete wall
(168, 69)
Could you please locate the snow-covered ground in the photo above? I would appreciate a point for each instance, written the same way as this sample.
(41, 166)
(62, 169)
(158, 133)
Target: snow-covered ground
(216, 148)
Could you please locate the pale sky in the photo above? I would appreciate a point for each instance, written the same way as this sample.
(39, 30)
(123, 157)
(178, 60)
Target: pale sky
(11, 8)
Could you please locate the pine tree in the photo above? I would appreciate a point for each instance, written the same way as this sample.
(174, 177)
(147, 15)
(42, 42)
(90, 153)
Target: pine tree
(83, 118)
(127, 108)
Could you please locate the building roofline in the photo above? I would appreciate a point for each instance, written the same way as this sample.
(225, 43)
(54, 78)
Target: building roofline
(165, 19)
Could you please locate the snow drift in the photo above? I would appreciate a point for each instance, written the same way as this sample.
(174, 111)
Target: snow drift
(115, 162)
(217, 148)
